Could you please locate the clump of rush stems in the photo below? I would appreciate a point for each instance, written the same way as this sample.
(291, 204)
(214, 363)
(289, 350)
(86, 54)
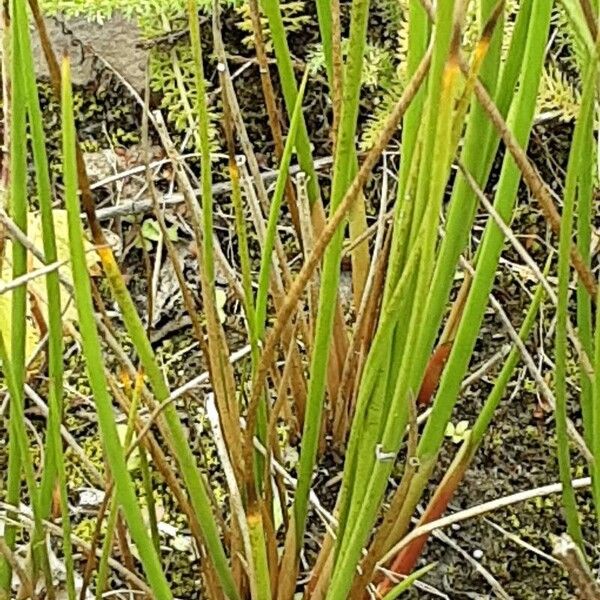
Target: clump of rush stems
(355, 381)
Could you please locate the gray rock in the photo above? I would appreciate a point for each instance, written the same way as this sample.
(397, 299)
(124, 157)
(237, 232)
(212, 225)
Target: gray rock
(116, 40)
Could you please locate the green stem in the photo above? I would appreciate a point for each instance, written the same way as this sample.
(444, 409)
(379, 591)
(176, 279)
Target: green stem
(331, 262)
(391, 420)
(289, 88)
(274, 214)
(54, 468)
(93, 353)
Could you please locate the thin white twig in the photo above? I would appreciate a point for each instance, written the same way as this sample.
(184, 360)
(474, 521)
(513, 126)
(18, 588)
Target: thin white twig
(480, 509)
(25, 279)
(521, 542)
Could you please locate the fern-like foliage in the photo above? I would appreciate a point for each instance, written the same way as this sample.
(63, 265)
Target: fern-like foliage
(382, 79)
(559, 93)
(150, 14)
(558, 96)
(384, 73)
(392, 80)
(392, 88)
(293, 13)
(567, 49)
(378, 70)
(375, 121)
(172, 75)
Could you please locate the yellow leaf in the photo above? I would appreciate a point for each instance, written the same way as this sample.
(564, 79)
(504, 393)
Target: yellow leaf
(220, 300)
(37, 286)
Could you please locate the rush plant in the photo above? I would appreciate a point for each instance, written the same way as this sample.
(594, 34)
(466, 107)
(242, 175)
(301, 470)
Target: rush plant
(319, 373)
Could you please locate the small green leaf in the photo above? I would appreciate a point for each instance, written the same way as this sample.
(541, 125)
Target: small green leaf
(457, 433)
(462, 427)
(150, 230)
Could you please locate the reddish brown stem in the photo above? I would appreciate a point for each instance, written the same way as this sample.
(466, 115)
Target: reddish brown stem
(433, 372)
(406, 559)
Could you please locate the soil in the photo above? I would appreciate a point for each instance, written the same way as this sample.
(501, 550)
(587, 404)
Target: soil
(518, 452)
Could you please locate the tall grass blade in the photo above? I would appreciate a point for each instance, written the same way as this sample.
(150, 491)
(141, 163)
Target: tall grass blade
(408, 582)
(289, 87)
(582, 128)
(330, 276)
(54, 469)
(16, 335)
(175, 435)
(520, 121)
(406, 560)
(329, 26)
(387, 424)
(93, 353)
(479, 134)
(274, 212)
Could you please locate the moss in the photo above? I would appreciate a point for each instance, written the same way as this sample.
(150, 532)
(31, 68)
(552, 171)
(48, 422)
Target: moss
(85, 529)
